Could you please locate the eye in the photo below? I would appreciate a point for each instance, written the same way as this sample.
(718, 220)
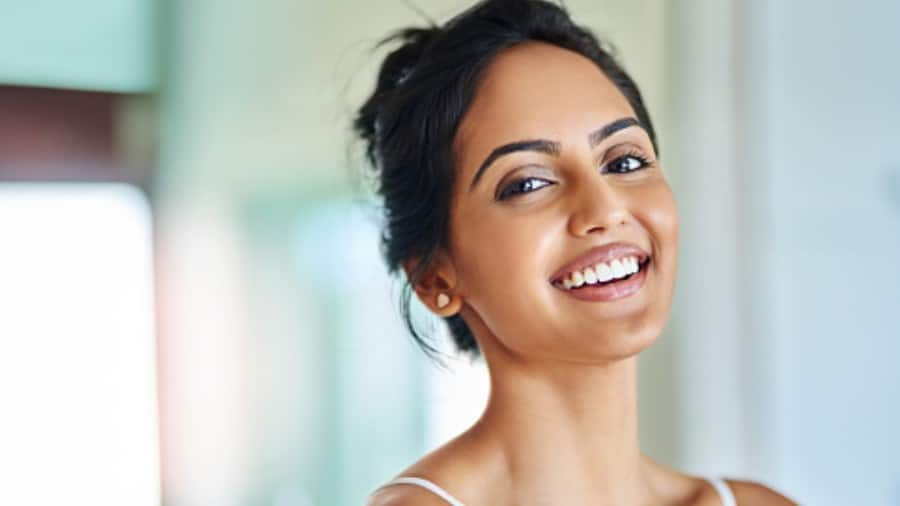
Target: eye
(524, 185)
(627, 163)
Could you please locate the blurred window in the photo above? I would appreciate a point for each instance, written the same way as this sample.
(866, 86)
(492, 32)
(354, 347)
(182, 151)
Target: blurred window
(77, 348)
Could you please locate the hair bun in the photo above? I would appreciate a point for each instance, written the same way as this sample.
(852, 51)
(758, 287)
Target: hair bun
(395, 70)
(399, 63)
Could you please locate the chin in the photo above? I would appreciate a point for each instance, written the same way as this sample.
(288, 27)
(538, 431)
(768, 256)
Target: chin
(612, 346)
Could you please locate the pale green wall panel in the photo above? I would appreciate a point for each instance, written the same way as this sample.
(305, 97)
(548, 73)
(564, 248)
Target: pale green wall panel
(91, 44)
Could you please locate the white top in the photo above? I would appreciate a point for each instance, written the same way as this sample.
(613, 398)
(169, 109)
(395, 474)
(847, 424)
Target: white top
(720, 485)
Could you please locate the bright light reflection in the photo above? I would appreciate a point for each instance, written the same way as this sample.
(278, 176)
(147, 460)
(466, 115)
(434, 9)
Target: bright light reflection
(78, 419)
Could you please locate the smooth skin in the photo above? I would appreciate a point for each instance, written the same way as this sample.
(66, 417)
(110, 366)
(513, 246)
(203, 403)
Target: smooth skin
(561, 422)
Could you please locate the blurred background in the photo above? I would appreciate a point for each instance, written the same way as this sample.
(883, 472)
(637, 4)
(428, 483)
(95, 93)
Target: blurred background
(193, 310)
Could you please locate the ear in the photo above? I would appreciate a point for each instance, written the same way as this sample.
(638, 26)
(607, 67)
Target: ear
(438, 286)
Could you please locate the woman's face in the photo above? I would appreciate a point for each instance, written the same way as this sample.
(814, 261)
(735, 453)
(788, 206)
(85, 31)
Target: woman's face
(537, 207)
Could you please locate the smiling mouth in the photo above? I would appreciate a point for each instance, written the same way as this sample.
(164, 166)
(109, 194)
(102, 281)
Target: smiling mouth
(619, 287)
(604, 274)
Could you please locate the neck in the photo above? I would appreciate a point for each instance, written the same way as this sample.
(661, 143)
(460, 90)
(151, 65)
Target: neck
(571, 429)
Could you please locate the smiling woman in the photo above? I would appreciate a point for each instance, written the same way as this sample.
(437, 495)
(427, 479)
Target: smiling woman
(525, 202)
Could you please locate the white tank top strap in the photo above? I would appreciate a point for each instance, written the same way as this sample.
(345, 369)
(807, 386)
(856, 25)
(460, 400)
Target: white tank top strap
(720, 485)
(724, 491)
(422, 482)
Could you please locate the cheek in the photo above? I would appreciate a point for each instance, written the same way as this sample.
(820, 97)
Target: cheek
(659, 216)
(503, 268)
(502, 253)
(659, 213)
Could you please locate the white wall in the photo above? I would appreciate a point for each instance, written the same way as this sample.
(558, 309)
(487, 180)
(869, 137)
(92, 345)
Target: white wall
(833, 86)
(787, 175)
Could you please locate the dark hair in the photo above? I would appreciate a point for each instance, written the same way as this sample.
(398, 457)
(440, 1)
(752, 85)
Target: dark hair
(424, 88)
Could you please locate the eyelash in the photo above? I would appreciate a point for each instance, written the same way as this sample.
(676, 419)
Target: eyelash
(645, 162)
(507, 191)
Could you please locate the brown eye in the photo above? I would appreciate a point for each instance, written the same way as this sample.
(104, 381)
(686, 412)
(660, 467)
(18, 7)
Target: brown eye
(524, 185)
(627, 163)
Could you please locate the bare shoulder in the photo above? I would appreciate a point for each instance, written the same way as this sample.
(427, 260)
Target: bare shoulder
(751, 493)
(404, 495)
(451, 467)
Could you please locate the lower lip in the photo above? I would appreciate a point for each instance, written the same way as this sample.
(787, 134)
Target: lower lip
(611, 291)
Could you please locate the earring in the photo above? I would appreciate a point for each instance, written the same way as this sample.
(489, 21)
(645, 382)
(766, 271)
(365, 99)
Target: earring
(442, 300)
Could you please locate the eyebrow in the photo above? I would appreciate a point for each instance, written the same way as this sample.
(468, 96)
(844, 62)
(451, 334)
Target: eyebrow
(551, 147)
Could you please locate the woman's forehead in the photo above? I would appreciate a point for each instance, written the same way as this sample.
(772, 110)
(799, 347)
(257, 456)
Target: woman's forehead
(537, 90)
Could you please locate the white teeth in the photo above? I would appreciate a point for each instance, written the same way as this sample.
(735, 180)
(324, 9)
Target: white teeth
(577, 279)
(590, 277)
(617, 270)
(604, 273)
(630, 265)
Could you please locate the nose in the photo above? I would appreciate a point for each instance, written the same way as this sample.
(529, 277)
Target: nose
(597, 206)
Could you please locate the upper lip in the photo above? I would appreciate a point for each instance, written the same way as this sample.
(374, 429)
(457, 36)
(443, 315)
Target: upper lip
(595, 255)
